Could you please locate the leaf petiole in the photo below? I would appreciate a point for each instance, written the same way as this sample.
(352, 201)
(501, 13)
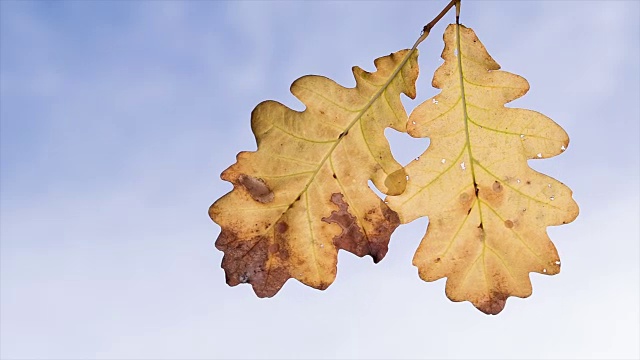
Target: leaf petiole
(427, 28)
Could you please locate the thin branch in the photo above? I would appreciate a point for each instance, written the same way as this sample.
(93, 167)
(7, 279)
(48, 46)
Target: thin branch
(432, 23)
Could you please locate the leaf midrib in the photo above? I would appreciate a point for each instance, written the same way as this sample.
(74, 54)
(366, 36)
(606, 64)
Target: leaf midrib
(466, 117)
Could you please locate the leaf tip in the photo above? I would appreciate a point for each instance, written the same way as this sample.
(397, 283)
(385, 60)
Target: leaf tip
(493, 304)
(396, 182)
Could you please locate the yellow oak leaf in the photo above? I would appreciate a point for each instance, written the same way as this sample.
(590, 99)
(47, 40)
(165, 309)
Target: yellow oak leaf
(488, 210)
(304, 193)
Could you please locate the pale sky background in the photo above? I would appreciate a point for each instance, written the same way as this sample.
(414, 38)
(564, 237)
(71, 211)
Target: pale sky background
(117, 118)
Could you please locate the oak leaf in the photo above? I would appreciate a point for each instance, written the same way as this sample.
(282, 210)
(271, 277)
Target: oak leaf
(304, 193)
(488, 210)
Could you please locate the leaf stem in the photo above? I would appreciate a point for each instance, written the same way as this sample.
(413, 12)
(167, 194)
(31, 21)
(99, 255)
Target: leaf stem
(427, 28)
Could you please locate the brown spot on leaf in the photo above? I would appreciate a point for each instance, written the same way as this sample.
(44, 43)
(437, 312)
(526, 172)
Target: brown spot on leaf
(497, 187)
(257, 188)
(282, 227)
(492, 194)
(379, 240)
(353, 239)
(493, 305)
(480, 233)
(508, 224)
(246, 261)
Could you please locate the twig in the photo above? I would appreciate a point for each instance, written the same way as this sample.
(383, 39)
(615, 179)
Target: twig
(432, 23)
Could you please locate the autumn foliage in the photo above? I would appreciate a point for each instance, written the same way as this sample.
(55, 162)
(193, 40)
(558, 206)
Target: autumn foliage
(488, 210)
(304, 194)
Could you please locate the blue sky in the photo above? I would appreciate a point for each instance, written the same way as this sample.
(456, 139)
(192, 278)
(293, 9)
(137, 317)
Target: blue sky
(117, 118)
